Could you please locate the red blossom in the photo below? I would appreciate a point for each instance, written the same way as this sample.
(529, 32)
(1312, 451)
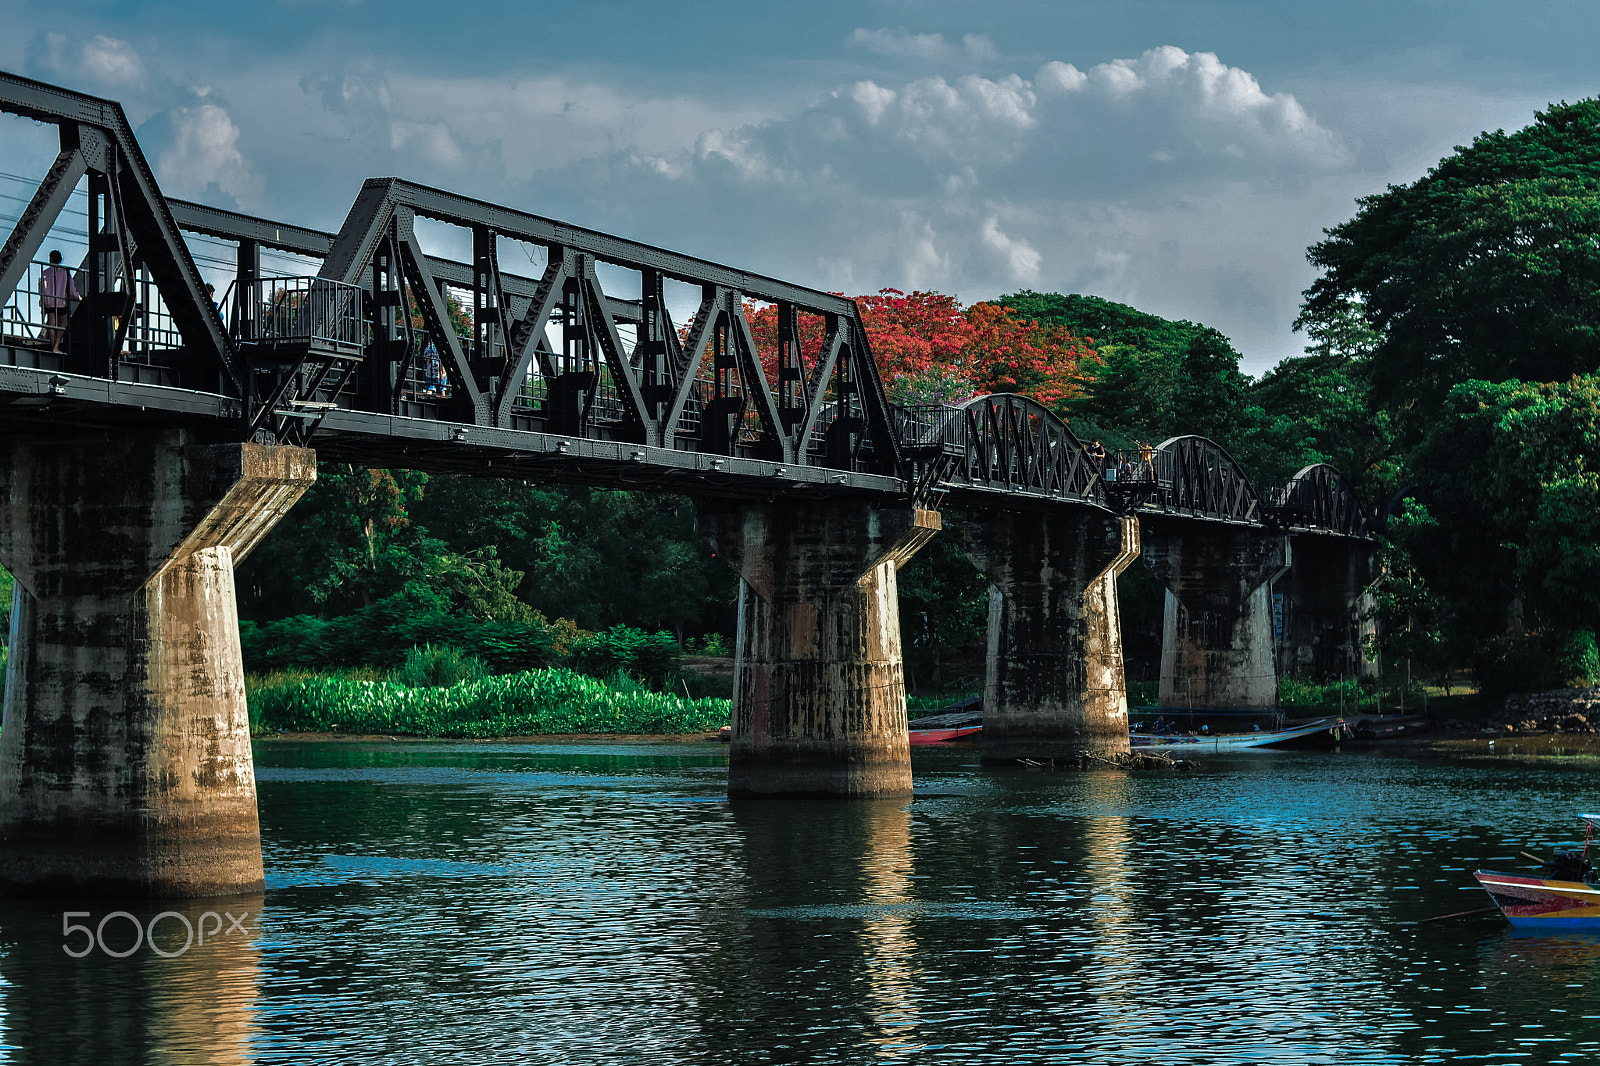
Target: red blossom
(986, 344)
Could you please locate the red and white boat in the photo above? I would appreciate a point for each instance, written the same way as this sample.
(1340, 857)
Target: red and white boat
(1563, 896)
(962, 720)
(941, 736)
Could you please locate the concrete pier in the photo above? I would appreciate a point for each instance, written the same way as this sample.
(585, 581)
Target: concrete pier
(819, 685)
(1217, 646)
(125, 764)
(1321, 601)
(1054, 686)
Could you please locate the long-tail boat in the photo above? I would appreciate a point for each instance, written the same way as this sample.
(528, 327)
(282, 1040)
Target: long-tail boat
(1563, 896)
(1204, 743)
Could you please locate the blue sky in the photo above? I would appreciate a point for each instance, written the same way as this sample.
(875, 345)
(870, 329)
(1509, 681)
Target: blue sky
(1179, 156)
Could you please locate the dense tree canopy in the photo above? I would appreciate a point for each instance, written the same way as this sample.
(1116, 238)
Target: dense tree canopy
(1457, 321)
(1487, 267)
(491, 549)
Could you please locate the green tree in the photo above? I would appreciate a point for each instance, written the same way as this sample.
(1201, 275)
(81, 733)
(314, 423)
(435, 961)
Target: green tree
(1210, 397)
(348, 543)
(944, 612)
(1157, 378)
(1316, 408)
(489, 549)
(1487, 267)
(1508, 469)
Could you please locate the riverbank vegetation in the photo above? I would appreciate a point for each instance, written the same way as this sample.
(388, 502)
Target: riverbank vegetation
(522, 704)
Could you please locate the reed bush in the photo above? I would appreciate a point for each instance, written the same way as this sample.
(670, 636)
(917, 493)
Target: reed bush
(435, 666)
(532, 702)
(652, 656)
(382, 634)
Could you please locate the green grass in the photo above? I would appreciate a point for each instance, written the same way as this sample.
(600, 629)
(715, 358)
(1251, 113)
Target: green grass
(533, 702)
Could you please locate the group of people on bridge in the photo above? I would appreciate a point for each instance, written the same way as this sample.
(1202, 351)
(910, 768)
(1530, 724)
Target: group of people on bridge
(1124, 466)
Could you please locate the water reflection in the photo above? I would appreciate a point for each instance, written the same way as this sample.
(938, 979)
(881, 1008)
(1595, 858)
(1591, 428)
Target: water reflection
(888, 947)
(492, 903)
(1122, 941)
(184, 989)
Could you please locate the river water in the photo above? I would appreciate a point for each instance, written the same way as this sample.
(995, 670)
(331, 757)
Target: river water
(604, 903)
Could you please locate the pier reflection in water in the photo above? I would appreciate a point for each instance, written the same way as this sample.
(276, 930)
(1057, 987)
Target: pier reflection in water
(187, 994)
(486, 903)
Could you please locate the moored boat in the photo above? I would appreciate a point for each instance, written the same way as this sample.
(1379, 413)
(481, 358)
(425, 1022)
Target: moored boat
(962, 720)
(940, 736)
(1204, 743)
(1562, 896)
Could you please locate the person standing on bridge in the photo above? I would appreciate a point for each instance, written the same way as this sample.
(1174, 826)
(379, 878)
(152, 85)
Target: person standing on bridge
(57, 290)
(1147, 454)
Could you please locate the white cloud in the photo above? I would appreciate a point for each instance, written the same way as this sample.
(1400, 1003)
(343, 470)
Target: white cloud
(205, 152)
(103, 62)
(1056, 76)
(979, 47)
(1171, 180)
(432, 142)
(1215, 105)
(873, 99)
(899, 43)
(1020, 259)
(111, 61)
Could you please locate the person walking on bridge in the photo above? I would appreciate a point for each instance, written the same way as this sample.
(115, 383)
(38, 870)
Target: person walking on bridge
(57, 290)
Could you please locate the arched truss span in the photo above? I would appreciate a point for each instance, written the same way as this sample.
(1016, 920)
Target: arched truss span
(1317, 498)
(999, 442)
(1197, 477)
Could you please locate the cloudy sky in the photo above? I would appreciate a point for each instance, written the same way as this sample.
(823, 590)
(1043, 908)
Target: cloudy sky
(1176, 155)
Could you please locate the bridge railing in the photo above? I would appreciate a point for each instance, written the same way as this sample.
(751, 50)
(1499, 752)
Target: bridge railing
(1133, 467)
(294, 315)
(930, 429)
(22, 319)
(138, 317)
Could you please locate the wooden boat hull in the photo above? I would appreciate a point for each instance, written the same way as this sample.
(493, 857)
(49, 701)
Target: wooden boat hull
(1221, 742)
(1542, 903)
(941, 736)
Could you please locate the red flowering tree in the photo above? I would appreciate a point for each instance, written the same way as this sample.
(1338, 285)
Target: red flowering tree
(931, 349)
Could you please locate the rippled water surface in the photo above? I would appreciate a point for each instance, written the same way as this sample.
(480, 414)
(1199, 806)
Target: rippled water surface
(495, 903)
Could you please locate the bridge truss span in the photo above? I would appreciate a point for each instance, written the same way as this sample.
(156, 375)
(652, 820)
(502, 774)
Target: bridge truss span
(1317, 499)
(997, 445)
(551, 351)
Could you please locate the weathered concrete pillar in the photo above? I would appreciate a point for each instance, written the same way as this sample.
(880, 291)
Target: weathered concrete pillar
(819, 688)
(1321, 601)
(1217, 647)
(1055, 686)
(125, 765)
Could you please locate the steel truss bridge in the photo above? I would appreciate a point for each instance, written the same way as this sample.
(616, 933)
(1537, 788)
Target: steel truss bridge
(574, 370)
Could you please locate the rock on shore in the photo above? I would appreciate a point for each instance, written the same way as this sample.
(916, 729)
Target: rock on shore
(1565, 710)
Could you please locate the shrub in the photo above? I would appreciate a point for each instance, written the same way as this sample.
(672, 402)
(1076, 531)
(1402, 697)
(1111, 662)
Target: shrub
(431, 665)
(1578, 660)
(382, 634)
(1347, 693)
(1535, 663)
(652, 656)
